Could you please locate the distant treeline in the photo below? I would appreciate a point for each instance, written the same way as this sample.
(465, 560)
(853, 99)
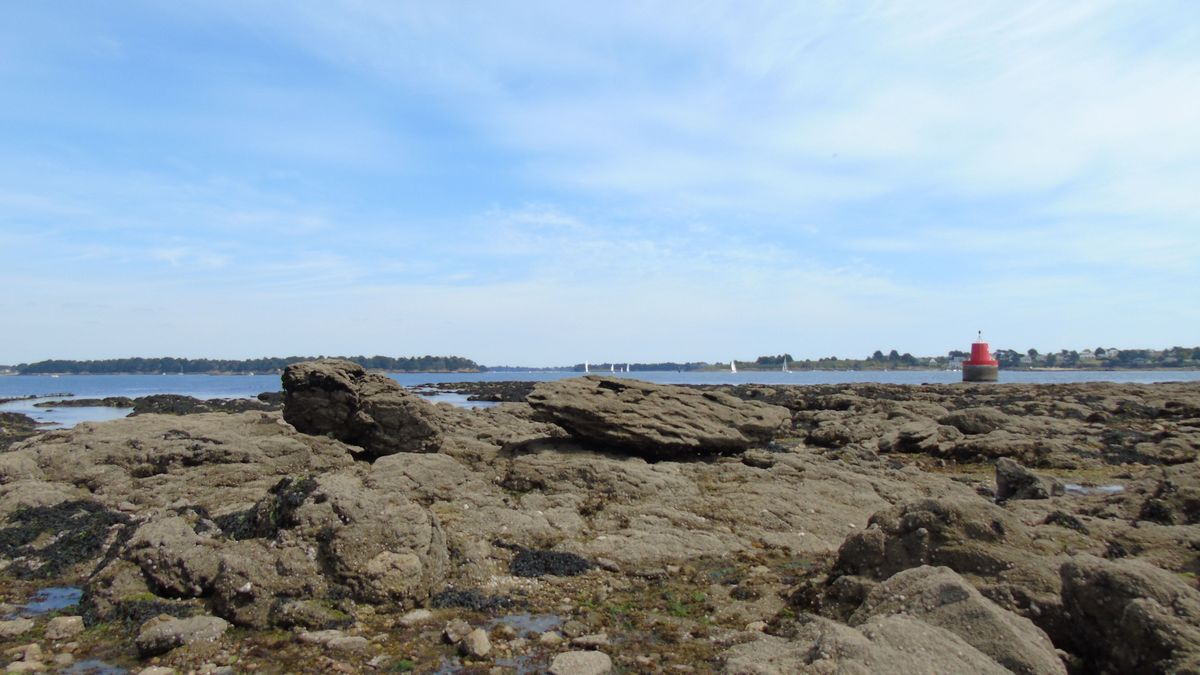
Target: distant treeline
(154, 366)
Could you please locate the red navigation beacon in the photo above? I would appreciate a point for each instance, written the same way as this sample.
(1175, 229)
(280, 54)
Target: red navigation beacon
(981, 367)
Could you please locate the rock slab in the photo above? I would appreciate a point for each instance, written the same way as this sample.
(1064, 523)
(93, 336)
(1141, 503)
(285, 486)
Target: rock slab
(653, 420)
(160, 637)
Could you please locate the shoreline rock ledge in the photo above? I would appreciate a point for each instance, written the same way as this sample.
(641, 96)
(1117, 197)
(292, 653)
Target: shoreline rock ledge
(656, 421)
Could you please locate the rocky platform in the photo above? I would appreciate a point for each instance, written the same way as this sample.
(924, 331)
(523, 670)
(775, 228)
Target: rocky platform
(600, 526)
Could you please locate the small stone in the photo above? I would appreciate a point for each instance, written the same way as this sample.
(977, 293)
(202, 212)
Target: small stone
(593, 641)
(157, 670)
(581, 663)
(14, 627)
(415, 617)
(25, 667)
(574, 628)
(550, 638)
(757, 626)
(456, 630)
(334, 640)
(64, 627)
(31, 652)
(476, 643)
(350, 643)
(63, 660)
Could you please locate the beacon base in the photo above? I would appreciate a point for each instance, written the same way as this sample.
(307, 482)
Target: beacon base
(973, 373)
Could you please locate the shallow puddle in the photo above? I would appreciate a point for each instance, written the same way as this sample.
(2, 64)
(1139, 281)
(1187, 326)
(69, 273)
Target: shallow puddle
(527, 623)
(52, 599)
(454, 399)
(1076, 489)
(93, 667)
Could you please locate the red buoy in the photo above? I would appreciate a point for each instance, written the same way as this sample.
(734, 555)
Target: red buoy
(981, 367)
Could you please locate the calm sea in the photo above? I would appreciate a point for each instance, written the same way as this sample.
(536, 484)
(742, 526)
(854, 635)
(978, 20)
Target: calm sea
(235, 386)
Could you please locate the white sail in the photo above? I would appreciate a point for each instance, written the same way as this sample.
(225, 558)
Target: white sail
(585, 367)
(732, 367)
(627, 367)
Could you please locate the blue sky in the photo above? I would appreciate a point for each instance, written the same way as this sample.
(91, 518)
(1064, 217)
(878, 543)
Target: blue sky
(547, 183)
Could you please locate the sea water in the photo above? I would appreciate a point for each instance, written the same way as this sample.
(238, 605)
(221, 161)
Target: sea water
(49, 387)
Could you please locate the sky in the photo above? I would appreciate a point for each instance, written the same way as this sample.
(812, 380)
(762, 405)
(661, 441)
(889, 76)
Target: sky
(547, 183)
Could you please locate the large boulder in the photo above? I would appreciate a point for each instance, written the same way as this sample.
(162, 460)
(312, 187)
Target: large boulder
(940, 597)
(653, 420)
(341, 399)
(897, 644)
(1132, 617)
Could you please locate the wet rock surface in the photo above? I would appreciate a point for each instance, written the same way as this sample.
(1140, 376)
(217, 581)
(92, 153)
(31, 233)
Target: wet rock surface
(862, 532)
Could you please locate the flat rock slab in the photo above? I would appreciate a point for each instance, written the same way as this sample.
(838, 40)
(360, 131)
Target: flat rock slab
(159, 637)
(655, 421)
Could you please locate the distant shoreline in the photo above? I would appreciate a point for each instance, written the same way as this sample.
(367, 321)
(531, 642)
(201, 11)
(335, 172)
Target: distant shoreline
(634, 372)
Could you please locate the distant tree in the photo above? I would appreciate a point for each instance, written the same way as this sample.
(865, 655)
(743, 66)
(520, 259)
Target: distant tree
(877, 356)
(957, 354)
(1007, 358)
(1033, 354)
(1099, 352)
(908, 359)
(893, 356)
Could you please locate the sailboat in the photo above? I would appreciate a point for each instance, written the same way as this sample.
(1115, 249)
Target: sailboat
(627, 367)
(585, 367)
(785, 368)
(732, 367)
(612, 367)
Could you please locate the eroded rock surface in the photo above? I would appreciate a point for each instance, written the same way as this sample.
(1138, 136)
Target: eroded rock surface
(1132, 617)
(654, 420)
(892, 644)
(857, 513)
(940, 597)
